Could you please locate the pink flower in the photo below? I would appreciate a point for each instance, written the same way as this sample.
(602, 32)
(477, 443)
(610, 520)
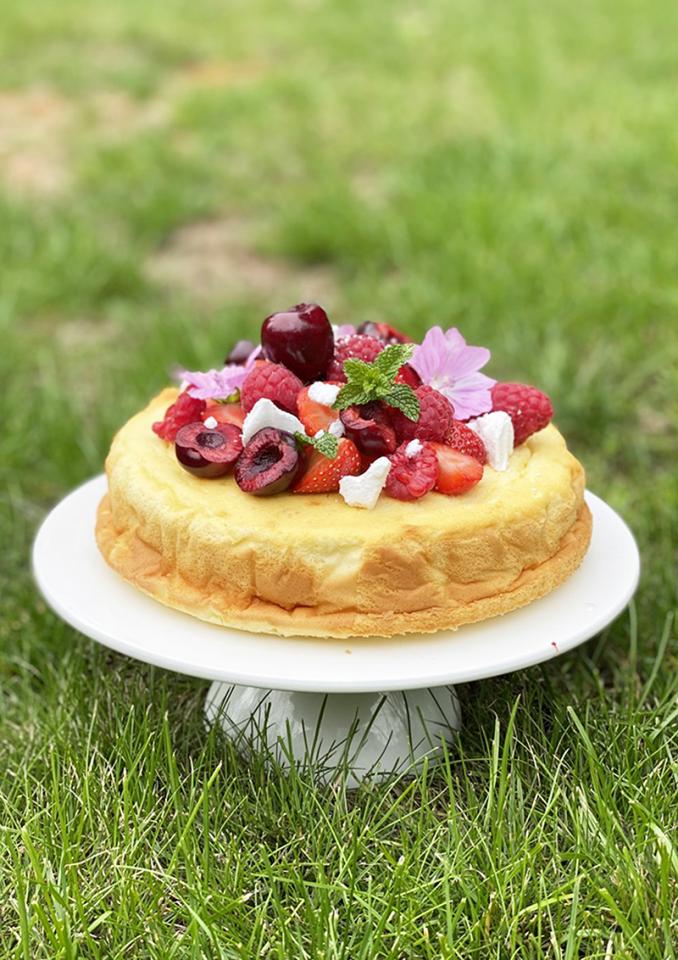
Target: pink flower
(218, 384)
(343, 330)
(445, 362)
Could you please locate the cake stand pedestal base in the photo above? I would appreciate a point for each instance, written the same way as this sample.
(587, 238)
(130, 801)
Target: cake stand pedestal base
(346, 736)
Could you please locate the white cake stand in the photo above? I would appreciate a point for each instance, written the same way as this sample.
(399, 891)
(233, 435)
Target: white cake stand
(338, 704)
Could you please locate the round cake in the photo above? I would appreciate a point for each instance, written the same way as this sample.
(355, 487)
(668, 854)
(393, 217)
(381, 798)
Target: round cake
(435, 548)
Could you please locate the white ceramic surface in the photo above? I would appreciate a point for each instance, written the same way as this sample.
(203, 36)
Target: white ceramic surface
(347, 736)
(85, 592)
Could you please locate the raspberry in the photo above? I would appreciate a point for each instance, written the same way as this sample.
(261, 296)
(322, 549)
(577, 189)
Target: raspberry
(275, 383)
(436, 417)
(529, 408)
(412, 477)
(462, 438)
(184, 410)
(358, 346)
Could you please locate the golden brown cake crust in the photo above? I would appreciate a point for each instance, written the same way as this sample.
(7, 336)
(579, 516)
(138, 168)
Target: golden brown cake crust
(312, 566)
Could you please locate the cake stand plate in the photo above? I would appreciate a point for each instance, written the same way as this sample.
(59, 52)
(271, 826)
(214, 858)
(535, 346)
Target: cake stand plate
(352, 708)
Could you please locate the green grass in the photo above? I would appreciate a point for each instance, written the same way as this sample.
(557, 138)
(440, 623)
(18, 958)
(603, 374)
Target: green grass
(511, 168)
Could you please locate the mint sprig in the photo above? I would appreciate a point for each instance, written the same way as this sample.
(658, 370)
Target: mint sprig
(366, 382)
(326, 443)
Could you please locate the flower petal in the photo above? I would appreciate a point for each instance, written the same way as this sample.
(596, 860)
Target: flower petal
(467, 360)
(428, 359)
(471, 396)
(214, 384)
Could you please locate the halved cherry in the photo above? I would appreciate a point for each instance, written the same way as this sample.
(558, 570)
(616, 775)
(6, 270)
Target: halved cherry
(206, 452)
(269, 464)
(369, 427)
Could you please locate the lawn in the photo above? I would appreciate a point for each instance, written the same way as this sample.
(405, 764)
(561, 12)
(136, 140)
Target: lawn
(169, 174)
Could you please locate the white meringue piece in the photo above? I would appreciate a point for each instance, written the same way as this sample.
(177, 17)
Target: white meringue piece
(496, 431)
(363, 491)
(263, 414)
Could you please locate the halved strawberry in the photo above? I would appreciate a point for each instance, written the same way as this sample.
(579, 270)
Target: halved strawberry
(457, 472)
(314, 416)
(322, 475)
(225, 413)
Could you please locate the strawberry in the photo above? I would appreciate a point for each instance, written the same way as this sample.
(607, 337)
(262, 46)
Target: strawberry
(314, 416)
(529, 408)
(407, 374)
(225, 413)
(457, 472)
(462, 439)
(322, 475)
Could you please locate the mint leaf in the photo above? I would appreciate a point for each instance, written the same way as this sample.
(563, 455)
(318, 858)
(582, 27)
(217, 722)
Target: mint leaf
(326, 443)
(356, 369)
(391, 359)
(375, 381)
(350, 395)
(403, 398)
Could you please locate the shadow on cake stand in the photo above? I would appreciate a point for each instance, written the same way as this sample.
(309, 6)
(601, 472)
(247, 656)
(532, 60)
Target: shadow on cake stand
(351, 709)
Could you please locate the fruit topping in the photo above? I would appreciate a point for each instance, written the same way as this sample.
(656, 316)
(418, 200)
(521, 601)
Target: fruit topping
(384, 332)
(457, 472)
(314, 404)
(363, 489)
(356, 347)
(496, 432)
(436, 417)
(224, 413)
(317, 414)
(263, 414)
(529, 408)
(269, 463)
(184, 410)
(370, 427)
(240, 352)
(322, 475)
(465, 439)
(413, 471)
(208, 452)
(301, 338)
(273, 382)
(407, 374)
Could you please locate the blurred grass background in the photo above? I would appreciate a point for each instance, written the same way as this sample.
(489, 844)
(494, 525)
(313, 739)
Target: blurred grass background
(171, 173)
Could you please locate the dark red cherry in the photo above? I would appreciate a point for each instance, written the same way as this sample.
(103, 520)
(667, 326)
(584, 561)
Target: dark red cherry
(269, 463)
(206, 452)
(383, 331)
(301, 339)
(369, 427)
(240, 352)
